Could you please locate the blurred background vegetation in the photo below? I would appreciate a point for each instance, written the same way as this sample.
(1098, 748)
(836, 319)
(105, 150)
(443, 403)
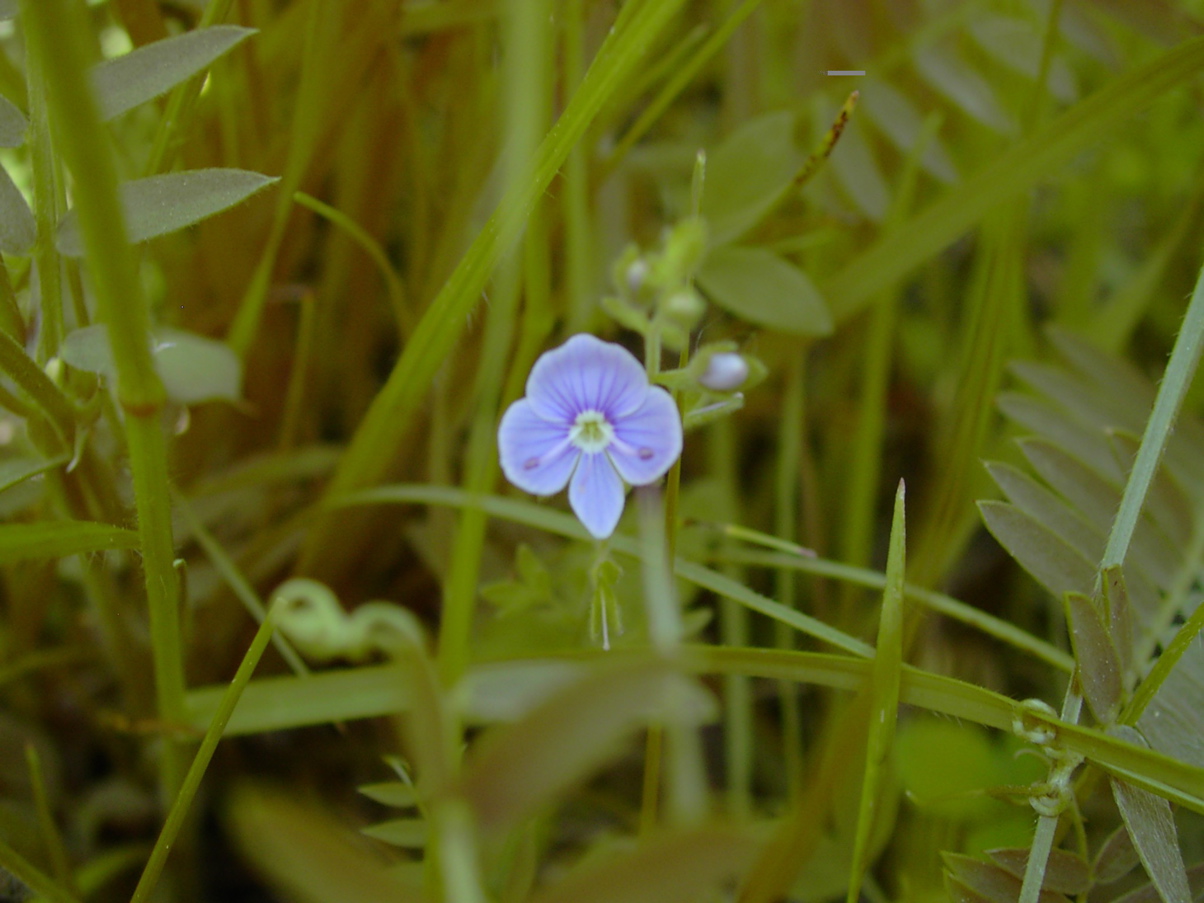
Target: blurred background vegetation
(272, 269)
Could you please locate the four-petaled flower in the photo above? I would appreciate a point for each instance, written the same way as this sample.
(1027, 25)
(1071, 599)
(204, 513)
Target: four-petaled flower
(589, 415)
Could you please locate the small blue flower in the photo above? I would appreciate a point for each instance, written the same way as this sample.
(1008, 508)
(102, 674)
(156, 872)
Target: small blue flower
(589, 415)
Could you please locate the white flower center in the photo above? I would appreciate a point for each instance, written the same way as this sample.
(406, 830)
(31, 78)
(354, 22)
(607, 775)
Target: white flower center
(591, 432)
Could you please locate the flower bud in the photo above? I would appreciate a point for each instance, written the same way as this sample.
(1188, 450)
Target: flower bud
(725, 372)
(684, 308)
(636, 275)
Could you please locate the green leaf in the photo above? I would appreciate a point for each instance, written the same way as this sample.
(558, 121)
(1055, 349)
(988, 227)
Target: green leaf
(1116, 857)
(760, 287)
(305, 853)
(1051, 423)
(1173, 722)
(398, 794)
(154, 69)
(1015, 43)
(55, 539)
(669, 867)
(193, 368)
(952, 76)
(159, 205)
(518, 768)
(12, 124)
(409, 833)
(748, 174)
(892, 112)
(1095, 651)
(1023, 165)
(1098, 499)
(8, 9)
(988, 880)
(1047, 508)
(17, 470)
(854, 166)
(280, 703)
(1053, 562)
(18, 232)
(884, 697)
(1065, 872)
(1152, 829)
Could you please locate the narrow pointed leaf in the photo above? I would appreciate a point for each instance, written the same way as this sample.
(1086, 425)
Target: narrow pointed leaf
(760, 287)
(1053, 562)
(1152, 829)
(1051, 423)
(884, 696)
(1116, 857)
(1047, 508)
(18, 231)
(1098, 660)
(159, 205)
(398, 794)
(1065, 872)
(154, 69)
(1173, 722)
(408, 833)
(54, 539)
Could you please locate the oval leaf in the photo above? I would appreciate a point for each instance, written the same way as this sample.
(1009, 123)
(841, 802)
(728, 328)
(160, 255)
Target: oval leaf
(760, 287)
(17, 229)
(162, 204)
(143, 74)
(12, 124)
(193, 368)
(748, 173)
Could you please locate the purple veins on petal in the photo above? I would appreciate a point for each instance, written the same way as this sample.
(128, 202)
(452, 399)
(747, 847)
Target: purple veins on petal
(586, 374)
(536, 454)
(596, 495)
(648, 440)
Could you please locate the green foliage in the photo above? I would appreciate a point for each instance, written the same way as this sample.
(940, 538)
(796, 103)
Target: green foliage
(755, 689)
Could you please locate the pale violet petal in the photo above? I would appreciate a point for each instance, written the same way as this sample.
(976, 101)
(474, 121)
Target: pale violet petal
(586, 374)
(536, 455)
(596, 494)
(647, 441)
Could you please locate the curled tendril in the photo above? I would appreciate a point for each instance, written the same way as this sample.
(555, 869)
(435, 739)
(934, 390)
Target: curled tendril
(309, 614)
(1054, 796)
(1028, 722)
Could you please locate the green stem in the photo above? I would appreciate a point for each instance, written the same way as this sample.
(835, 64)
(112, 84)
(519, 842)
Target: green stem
(57, 36)
(46, 210)
(200, 762)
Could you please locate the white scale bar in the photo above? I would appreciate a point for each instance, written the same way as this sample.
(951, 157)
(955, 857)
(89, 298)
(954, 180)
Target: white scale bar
(846, 72)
